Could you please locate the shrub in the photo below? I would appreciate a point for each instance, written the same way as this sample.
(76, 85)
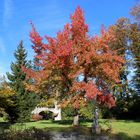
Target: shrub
(85, 112)
(68, 112)
(36, 117)
(28, 134)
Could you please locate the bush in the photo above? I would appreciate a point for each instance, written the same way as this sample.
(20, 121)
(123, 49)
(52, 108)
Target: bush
(28, 134)
(36, 117)
(85, 112)
(68, 112)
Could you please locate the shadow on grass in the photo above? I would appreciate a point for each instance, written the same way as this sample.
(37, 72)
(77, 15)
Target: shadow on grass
(67, 122)
(124, 136)
(127, 120)
(138, 120)
(63, 122)
(5, 125)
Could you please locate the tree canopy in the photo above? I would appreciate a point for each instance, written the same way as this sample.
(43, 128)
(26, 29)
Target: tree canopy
(77, 66)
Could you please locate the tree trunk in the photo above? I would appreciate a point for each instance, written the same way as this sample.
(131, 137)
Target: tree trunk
(58, 117)
(76, 120)
(96, 128)
(57, 111)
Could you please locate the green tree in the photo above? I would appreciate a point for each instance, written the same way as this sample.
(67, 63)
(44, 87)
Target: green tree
(121, 31)
(24, 101)
(135, 39)
(128, 43)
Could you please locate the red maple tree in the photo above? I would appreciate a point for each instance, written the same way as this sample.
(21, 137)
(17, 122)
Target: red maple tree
(84, 67)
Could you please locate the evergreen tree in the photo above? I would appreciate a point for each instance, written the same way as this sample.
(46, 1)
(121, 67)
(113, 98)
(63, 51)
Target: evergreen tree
(17, 76)
(24, 101)
(135, 37)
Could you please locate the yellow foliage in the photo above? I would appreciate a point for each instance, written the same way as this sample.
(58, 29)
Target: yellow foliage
(6, 92)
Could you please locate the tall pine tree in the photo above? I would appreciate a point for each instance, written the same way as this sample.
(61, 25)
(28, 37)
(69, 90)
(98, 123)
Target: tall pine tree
(24, 101)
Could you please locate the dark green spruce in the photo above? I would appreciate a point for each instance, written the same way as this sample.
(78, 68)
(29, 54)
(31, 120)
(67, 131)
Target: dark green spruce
(24, 101)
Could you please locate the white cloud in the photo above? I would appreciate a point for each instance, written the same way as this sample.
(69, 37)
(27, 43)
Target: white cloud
(8, 10)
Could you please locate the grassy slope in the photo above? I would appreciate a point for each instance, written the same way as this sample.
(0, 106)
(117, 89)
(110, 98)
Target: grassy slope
(120, 127)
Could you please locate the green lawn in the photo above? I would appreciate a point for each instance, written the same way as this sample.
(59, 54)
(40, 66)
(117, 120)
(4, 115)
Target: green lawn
(122, 128)
(130, 128)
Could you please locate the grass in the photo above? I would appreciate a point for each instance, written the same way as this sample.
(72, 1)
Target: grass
(1, 119)
(131, 128)
(125, 129)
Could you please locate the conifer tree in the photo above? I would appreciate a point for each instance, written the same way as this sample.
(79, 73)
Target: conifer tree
(24, 101)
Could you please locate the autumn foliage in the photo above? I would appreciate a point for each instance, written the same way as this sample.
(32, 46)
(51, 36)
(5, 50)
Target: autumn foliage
(85, 67)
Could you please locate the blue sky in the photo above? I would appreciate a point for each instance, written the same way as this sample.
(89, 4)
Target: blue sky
(49, 16)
